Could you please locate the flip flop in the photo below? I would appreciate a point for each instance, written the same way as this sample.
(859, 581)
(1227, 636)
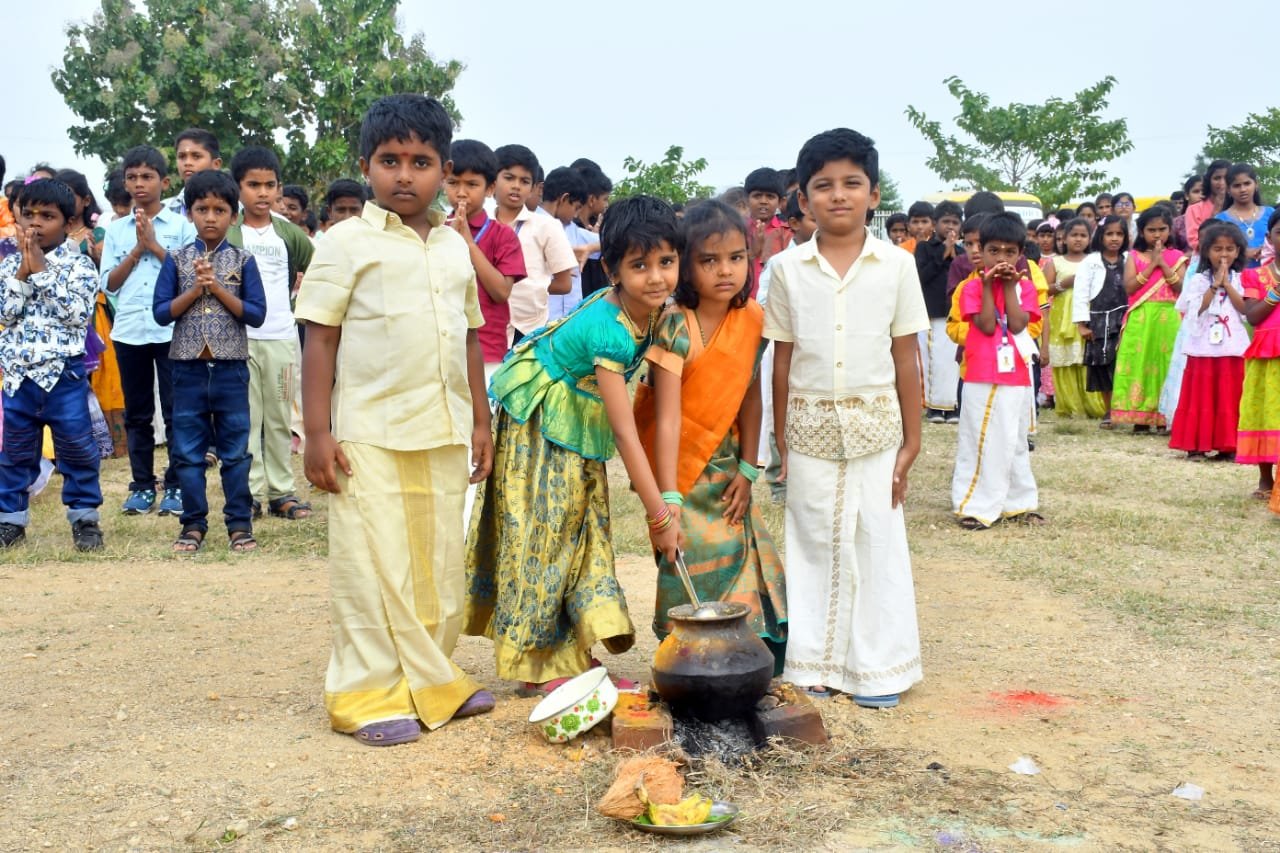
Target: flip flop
(389, 733)
(481, 702)
(818, 692)
(528, 689)
(189, 541)
(971, 523)
(887, 701)
(1261, 494)
(1030, 519)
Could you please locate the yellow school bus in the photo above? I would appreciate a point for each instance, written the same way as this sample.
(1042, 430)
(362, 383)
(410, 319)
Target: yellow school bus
(1025, 205)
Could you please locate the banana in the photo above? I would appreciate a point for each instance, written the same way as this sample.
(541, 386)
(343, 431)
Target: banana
(692, 810)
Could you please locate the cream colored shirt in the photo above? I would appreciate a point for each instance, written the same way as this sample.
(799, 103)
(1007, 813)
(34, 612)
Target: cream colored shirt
(404, 308)
(546, 252)
(843, 384)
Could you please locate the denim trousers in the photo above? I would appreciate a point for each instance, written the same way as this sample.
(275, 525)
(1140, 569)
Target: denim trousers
(211, 409)
(143, 367)
(65, 410)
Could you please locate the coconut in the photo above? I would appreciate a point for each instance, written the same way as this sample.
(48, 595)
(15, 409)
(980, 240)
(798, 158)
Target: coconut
(661, 779)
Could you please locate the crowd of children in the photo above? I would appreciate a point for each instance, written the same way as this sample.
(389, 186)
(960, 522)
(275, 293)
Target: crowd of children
(770, 332)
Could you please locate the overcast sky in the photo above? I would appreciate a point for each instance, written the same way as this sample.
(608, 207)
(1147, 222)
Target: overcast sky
(746, 89)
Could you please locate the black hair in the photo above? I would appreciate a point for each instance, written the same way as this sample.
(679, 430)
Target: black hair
(1076, 222)
(1080, 208)
(1177, 196)
(254, 157)
(211, 182)
(585, 163)
(920, 210)
(11, 191)
(115, 190)
(469, 155)
(402, 117)
(947, 208)
(1062, 214)
(1156, 211)
(1004, 228)
(596, 181)
(1045, 227)
(973, 224)
(1273, 219)
(324, 214)
(1215, 166)
(734, 196)
(839, 144)
(1095, 245)
(2, 168)
(42, 167)
(145, 155)
(518, 155)
(539, 176)
(49, 191)
(343, 188)
(639, 222)
(791, 209)
(1238, 169)
(563, 181)
(1191, 182)
(1101, 197)
(79, 185)
(201, 137)
(1031, 250)
(701, 222)
(1034, 225)
(788, 176)
(764, 180)
(1115, 199)
(1217, 228)
(895, 219)
(983, 201)
(310, 222)
(298, 194)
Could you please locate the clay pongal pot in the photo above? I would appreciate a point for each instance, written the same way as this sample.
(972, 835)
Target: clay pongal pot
(712, 666)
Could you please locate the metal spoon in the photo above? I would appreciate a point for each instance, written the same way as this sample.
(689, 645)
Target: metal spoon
(699, 609)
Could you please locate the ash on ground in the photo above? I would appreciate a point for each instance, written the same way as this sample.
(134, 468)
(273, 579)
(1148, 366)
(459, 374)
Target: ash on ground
(729, 740)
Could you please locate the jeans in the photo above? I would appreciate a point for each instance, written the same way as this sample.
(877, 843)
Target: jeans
(65, 410)
(211, 408)
(141, 365)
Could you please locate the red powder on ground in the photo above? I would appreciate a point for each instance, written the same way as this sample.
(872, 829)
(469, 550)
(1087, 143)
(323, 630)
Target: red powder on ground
(1029, 699)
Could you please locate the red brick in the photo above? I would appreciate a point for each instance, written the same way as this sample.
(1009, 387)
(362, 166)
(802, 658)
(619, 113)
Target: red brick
(797, 720)
(640, 724)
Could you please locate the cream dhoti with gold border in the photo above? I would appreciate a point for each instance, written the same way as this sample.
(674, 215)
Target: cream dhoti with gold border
(396, 571)
(992, 477)
(939, 370)
(850, 600)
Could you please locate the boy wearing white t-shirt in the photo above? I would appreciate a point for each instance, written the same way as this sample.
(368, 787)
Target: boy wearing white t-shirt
(282, 252)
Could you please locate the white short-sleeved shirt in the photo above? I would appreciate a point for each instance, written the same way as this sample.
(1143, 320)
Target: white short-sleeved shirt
(546, 252)
(843, 384)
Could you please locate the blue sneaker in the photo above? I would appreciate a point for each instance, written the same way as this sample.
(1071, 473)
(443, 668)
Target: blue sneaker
(172, 502)
(139, 502)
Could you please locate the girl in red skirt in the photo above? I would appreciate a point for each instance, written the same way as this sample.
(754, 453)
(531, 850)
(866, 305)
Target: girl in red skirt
(1214, 340)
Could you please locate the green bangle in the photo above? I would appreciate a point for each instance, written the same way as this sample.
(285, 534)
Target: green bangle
(673, 498)
(748, 470)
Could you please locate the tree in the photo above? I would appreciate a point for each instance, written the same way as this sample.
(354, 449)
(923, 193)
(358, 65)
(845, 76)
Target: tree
(890, 195)
(247, 70)
(672, 179)
(1052, 150)
(1256, 141)
(138, 78)
(348, 54)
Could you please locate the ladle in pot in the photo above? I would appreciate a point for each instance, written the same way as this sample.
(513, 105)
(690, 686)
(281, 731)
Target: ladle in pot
(699, 609)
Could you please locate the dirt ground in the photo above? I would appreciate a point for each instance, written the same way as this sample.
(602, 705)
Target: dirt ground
(164, 704)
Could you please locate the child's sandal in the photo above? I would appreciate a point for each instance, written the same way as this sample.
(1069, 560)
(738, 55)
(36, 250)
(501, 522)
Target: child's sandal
(189, 541)
(970, 523)
(242, 541)
(289, 507)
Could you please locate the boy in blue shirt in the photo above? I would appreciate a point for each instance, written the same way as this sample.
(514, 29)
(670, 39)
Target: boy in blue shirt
(210, 291)
(132, 253)
(47, 297)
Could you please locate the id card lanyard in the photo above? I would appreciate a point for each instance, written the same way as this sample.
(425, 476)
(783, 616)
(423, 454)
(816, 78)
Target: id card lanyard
(1005, 362)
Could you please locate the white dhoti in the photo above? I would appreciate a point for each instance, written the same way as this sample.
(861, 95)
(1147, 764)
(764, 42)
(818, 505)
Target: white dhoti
(850, 601)
(992, 478)
(939, 371)
(766, 398)
(396, 575)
